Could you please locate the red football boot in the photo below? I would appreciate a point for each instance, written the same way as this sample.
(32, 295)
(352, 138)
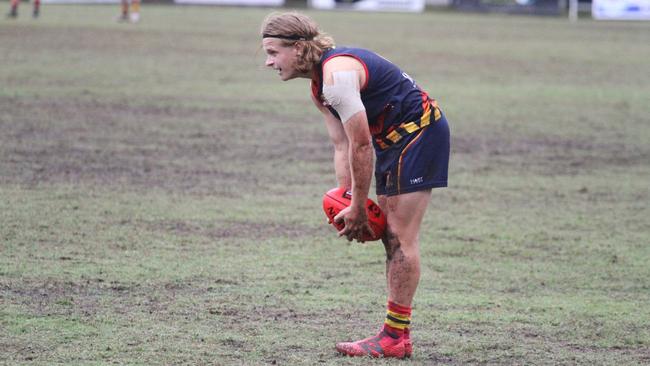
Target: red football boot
(408, 346)
(383, 344)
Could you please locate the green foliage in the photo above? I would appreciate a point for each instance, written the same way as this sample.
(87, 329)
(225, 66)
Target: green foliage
(160, 193)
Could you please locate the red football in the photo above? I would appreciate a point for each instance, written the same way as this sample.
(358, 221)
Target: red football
(336, 199)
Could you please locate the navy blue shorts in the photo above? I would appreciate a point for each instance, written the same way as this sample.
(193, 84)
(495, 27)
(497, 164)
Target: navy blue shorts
(419, 161)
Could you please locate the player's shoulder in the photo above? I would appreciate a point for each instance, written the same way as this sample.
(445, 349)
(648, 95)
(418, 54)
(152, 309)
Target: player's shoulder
(344, 59)
(341, 63)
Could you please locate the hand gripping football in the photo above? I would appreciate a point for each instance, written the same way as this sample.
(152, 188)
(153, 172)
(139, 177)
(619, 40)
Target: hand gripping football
(336, 199)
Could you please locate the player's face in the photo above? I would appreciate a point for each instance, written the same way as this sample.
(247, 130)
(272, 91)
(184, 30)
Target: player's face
(281, 58)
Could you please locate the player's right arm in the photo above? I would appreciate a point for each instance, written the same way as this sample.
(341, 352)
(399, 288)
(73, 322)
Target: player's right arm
(341, 145)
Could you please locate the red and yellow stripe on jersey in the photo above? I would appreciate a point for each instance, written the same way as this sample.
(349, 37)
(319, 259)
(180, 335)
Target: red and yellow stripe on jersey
(393, 136)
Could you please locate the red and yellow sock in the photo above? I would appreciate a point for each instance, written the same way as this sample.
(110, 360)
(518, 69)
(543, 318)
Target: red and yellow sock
(398, 319)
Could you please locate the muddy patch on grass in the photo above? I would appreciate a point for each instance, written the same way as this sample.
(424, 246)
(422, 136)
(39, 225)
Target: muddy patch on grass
(226, 149)
(234, 229)
(550, 155)
(52, 297)
(87, 298)
(236, 319)
(151, 145)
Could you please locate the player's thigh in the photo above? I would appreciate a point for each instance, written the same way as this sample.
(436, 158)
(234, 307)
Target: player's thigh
(404, 213)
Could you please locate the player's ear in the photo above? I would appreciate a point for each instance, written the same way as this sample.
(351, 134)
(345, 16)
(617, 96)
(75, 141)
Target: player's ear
(297, 48)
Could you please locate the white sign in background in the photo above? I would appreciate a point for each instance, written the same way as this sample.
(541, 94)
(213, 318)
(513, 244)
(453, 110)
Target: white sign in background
(620, 9)
(233, 2)
(370, 5)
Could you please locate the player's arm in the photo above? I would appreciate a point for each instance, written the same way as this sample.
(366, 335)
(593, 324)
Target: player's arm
(342, 77)
(340, 142)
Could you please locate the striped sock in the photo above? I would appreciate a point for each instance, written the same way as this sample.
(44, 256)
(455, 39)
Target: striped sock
(398, 318)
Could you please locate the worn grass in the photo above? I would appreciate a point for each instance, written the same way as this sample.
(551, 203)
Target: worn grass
(160, 193)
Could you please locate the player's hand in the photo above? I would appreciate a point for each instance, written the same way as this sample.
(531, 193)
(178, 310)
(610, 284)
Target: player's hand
(356, 224)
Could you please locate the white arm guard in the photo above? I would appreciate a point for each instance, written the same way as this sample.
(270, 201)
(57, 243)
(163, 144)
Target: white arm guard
(343, 95)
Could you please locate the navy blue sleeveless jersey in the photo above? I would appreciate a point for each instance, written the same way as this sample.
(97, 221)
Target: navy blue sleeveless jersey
(410, 132)
(389, 95)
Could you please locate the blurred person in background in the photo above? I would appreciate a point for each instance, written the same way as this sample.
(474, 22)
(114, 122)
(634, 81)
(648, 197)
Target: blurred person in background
(13, 12)
(130, 11)
(368, 104)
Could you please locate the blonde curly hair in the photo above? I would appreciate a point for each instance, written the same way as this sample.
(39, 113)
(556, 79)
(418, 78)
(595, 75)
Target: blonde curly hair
(295, 28)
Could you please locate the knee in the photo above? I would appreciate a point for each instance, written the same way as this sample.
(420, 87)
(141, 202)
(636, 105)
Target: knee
(399, 246)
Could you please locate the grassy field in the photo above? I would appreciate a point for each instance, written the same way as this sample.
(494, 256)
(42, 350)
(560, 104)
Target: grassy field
(160, 193)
